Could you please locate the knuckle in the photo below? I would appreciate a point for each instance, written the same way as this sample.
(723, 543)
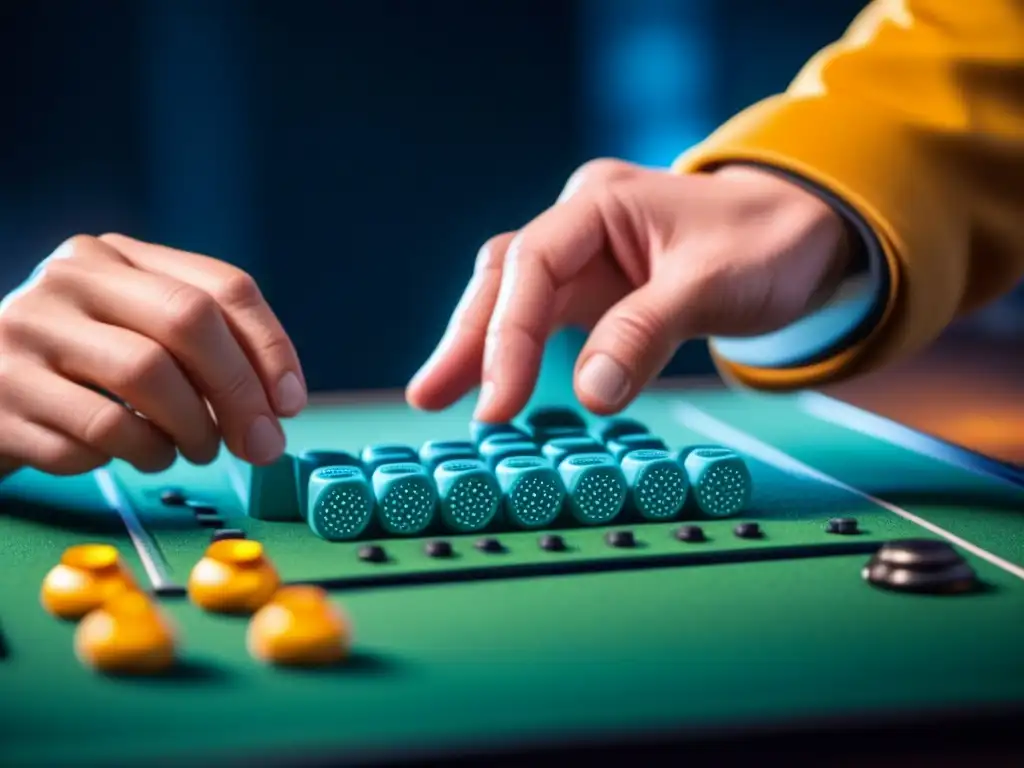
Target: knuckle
(235, 389)
(492, 253)
(64, 268)
(522, 249)
(639, 327)
(602, 171)
(146, 365)
(274, 347)
(7, 375)
(237, 289)
(16, 330)
(104, 424)
(186, 309)
(75, 246)
(534, 254)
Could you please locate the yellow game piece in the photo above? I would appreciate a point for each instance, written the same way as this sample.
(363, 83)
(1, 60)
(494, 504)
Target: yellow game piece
(234, 576)
(128, 635)
(86, 577)
(299, 627)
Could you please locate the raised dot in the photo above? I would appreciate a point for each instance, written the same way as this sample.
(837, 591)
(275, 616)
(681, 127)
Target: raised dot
(748, 531)
(490, 545)
(620, 539)
(372, 553)
(439, 548)
(689, 533)
(172, 497)
(552, 542)
(844, 526)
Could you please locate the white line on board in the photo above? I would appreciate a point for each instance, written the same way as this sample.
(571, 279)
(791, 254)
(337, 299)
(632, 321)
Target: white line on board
(866, 423)
(707, 425)
(144, 544)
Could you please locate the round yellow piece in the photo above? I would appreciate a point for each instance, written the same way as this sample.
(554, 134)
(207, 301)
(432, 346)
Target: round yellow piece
(234, 576)
(299, 627)
(87, 576)
(127, 636)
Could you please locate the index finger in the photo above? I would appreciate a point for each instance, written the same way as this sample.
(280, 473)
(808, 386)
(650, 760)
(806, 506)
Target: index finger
(545, 256)
(454, 367)
(250, 318)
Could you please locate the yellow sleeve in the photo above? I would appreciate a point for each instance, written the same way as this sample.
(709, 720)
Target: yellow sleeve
(915, 120)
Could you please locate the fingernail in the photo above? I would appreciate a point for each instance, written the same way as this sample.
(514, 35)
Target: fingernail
(486, 396)
(291, 395)
(264, 443)
(604, 380)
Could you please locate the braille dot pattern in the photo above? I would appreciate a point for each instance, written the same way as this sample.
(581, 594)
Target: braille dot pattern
(524, 462)
(711, 453)
(472, 502)
(648, 454)
(599, 494)
(586, 461)
(722, 490)
(458, 466)
(397, 469)
(408, 506)
(661, 491)
(331, 473)
(342, 511)
(536, 499)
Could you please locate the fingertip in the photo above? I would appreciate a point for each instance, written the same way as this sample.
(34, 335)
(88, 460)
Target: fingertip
(422, 392)
(498, 405)
(431, 397)
(603, 384)
(416, 398)
(485, 403)
(157, 463)
(451, 372)
(202, 456)
(291, 396)
(264, 441)
(598, 408)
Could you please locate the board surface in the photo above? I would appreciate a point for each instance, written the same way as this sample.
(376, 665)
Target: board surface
(494, 648)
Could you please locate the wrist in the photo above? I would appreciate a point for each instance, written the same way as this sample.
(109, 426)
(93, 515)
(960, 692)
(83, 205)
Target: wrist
(828, 238)
(851, 287)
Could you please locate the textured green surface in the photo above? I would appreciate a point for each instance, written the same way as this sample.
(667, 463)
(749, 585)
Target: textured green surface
(445, 665)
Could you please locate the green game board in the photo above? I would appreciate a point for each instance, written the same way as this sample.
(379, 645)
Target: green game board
(526, 646)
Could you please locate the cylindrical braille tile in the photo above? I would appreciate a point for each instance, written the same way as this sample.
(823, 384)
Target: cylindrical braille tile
(595, 487)
(406, 499)
(469, 495)
(533, 491)
(720, 481)
(657, 484)
(341, 503)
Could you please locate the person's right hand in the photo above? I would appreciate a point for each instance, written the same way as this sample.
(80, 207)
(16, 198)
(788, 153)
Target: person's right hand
(645, 260)
(186, 340)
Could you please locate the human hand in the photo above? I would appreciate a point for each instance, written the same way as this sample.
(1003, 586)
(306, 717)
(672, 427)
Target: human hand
(186, 340)
(645, 260)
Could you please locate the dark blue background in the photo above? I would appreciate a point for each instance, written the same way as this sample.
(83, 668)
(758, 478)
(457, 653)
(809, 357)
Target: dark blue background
(353, 155)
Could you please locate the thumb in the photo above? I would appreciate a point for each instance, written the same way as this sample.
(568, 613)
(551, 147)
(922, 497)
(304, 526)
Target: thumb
(633, 342)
